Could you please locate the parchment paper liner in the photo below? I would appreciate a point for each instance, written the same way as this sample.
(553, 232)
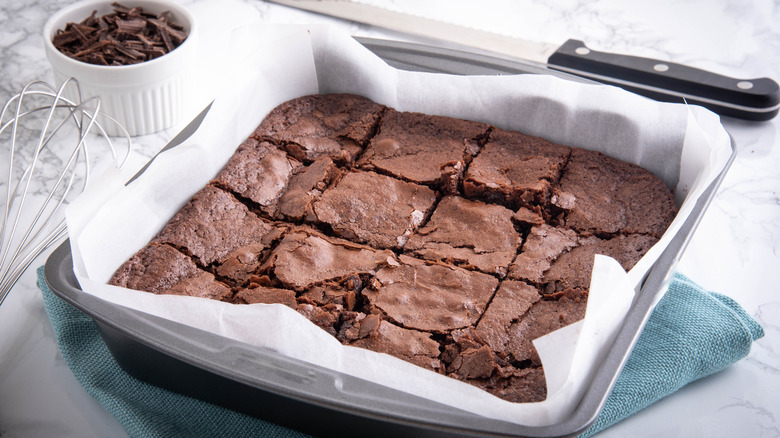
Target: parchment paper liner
(685, 146)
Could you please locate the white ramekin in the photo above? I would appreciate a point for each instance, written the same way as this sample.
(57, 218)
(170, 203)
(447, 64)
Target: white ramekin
(146, 97)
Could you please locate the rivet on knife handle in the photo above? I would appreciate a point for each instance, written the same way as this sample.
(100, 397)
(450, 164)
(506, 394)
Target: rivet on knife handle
(751, 99)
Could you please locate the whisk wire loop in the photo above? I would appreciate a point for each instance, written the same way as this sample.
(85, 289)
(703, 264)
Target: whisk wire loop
(43, 148)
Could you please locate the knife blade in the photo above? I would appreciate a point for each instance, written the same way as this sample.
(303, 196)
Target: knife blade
(179, 138)
(750, 99)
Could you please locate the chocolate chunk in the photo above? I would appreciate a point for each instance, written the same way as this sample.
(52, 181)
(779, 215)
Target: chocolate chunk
(124, 37)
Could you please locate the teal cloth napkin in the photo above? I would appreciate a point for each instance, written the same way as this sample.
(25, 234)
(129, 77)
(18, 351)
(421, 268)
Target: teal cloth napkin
(692, 333)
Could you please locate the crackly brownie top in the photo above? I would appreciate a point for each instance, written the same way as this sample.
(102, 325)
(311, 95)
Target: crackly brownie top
(573, 268)
(258, 171)
(212, 225)
(447, 243)
(450, 235)
(335, 125)
(306, 186)
(305, 257)
(431, 297)
(375, 209)
(543, 245)
(613, 196)
(163, 269)
(414, 346)
(431, 150)
(515, 169)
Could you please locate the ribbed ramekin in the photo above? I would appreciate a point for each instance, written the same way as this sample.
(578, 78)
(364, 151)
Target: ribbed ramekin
(145, 97)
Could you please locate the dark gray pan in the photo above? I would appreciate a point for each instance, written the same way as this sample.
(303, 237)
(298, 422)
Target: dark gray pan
(312, 399)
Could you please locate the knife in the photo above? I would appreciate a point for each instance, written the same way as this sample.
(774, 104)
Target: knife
(177, 140)
(751, 99)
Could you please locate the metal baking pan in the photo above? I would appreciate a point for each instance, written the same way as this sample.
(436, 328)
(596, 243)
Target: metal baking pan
(319, 401)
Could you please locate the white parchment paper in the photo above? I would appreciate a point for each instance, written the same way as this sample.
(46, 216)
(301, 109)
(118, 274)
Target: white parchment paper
(686, 147)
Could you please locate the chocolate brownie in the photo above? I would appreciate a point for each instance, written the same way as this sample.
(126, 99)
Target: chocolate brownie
(450, 244)
(430, 296)
(306, 186)
(305, 257)
(374, 209)
(266, 295)
(214, 224)
(258, 172)
(334, 125)
(543, 245)
(161, 269)
(572, 269)
(431, 150)
(450, 236)
(417, 347)
(515, 169)
(611, 196)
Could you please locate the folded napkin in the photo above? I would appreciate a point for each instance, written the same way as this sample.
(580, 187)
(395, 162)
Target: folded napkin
(691, 333)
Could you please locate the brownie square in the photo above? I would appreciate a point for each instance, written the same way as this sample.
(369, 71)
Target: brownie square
(305, 257)
(265, 295)
(511, 302)
(334, 125)
(306, 186)
(374, 209)
(612, 196)
(469, 234)
(259, 172)
(212, 225)
(515, 170)
(432, 297)
(413, 346)
(431, 150)
(573, 269)
(542, 246)
(161, 269)
(545, 316)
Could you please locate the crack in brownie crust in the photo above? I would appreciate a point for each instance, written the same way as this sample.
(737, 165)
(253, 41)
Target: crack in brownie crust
(430, 150)
(447, 243)
(374, 209)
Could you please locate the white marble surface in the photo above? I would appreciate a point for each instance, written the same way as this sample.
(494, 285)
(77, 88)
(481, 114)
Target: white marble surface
(735, 251)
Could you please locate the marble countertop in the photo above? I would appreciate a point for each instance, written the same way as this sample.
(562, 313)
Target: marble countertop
(735, 250)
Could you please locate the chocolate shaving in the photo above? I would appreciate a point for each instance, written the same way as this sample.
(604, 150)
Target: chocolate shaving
(126, 36)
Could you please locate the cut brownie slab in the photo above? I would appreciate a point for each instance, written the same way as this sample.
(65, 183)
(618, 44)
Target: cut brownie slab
(431, 150)
(545, 316)
(161, 269)
(431, 297)
(305, 257)
(542, 246)
(515, 169)
(374, 209)
(213, 224)
(309, 127)
(573, 269)
(510, 304)
(410, 345)
(305, 186)
(258, 171)
(265, 295)
(469, 234)
(612, 196)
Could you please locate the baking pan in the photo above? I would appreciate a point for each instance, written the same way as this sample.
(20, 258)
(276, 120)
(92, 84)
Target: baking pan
(322, 402)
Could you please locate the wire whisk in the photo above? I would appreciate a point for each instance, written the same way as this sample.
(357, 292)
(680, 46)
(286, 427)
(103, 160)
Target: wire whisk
(45, 136)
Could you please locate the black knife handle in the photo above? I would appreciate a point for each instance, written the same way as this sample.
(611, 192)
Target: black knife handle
(750, 99)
